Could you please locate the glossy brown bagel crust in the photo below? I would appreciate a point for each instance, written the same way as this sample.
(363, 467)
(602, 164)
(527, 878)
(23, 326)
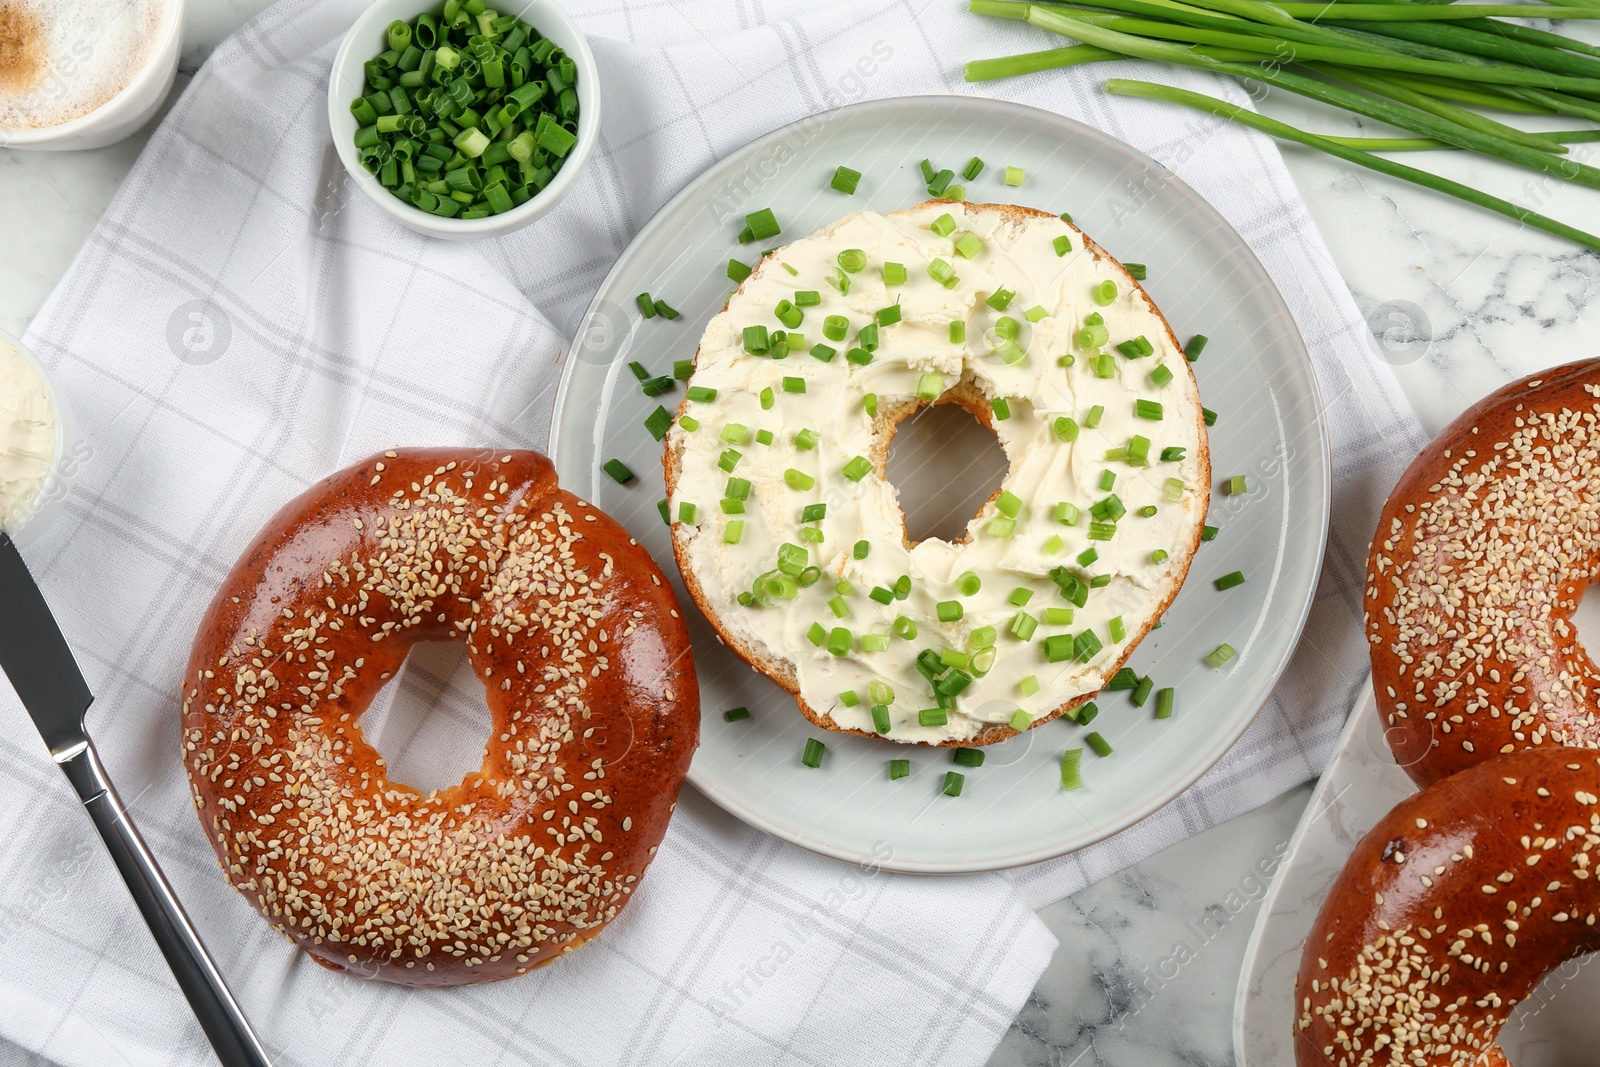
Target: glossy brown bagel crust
(590, 684)
(1480, 558)
(1449, 913)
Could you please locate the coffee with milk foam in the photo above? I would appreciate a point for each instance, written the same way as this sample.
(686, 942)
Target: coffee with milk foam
(60, 59)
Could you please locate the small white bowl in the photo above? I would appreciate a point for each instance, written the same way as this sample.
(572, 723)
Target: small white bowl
(367, 39)
(70, 455)
(124, 113)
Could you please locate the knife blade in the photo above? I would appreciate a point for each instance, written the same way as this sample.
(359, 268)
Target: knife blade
(35, 656)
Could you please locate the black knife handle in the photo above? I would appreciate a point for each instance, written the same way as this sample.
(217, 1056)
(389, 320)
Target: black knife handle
(224, 1024)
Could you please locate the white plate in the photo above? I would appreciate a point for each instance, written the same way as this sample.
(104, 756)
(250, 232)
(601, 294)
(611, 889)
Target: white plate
(1554, 1027)
(1256, 374)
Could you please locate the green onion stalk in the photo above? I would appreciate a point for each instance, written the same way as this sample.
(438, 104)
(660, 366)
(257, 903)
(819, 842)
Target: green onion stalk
(1417, 67)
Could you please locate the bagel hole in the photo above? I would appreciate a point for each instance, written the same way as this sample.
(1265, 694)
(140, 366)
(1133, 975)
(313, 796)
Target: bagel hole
(1555, 1026)
(430, 723)
(1586, 620)
(945, 464)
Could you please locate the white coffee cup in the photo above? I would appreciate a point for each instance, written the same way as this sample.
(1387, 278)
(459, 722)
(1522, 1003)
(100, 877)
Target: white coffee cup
(125, 112)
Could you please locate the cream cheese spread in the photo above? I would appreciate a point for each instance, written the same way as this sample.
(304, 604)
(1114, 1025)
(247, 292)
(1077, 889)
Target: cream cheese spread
(27, 436)
(1071, 562)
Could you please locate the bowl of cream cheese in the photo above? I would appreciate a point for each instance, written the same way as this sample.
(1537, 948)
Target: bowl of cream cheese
(34, 473)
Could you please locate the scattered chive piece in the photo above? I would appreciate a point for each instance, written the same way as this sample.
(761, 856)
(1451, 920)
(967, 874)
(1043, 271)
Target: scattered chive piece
(647, 307)
(1070, 776)
(1196, 345)
(1221, 654)
(968, 757)
(1228, 581)
(812, 756)
(761, 224)
(1136, 271)
(657, 386)
(640, 371)
(953, 781)
(1141, 692)
(1092, 419)
(1208, 533)
(618, 470)
(932, 717)
(856, 469)
(940, 182)
(658, 422)
(1105, 292)
(927, 171)
(949, 610)
(666, 310)
(973, 168)
(1164, 700)
(1086, 713)
(1063, 245)
(736, 714)
(1101, 746)
(845, 180)
(1235, 486)
(1014, 175)
(1023, 626)
(683, 369)
(737, 271)
(1126, 678)
(899, 768)
(1209, 416)
(666, 511)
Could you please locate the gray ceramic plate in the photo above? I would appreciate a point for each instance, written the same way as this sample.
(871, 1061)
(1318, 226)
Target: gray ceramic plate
(1256, 374)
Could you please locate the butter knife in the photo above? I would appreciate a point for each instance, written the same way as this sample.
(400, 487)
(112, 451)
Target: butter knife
(35, 656)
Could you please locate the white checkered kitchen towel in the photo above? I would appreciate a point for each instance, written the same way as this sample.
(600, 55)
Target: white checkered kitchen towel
(341, 334)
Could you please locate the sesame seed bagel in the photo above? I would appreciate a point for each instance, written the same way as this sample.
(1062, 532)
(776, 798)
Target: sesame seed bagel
(1480, 558)
(1450, 912)
(590, 685)
(790, 535)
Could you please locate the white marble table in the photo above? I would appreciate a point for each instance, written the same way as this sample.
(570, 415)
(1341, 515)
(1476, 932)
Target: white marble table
(1461, 301)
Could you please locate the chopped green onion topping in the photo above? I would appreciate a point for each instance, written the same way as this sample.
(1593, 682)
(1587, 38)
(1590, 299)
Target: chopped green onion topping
(1159, 556)
(949, 610)
(761, 225)
(968, 757)
(932, 717)
(944, 225)
(737, 272)
(798, 479)
(1062, 244)
(1221, 654)
(1014, 175)
(1228, 581)
(1101, 746)
(845, 180)
(733, 533)
(856, 469)
(1208, 533)
(736, 714)
(834, 327)
(1164, 702)
(683, 369)
(1209, 416)
(618, 470)
(1196, 345)
(1092, 419)
(812, 756)
(1125, 678)
(968, 583)
(701, 394)
(1105, 292)
(969, 246)
(869, 403)
(1001, 407)
(905, 628)
(953, 781)
(647, 307)
(1161, 376)
(658, 422)
(688, 514)
(1070, 776)
(1172, 454)
(1023, 626)
(1117, 630)
(1141, 692)
(898, 768)
(1086, 713)
(1001, 298)
(1028, 686)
